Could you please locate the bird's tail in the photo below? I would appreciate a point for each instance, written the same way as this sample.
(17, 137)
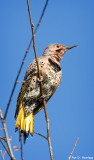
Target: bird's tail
(25, 124)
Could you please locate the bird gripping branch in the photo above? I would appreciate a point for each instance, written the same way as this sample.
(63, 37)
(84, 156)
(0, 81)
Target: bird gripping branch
(30, 101)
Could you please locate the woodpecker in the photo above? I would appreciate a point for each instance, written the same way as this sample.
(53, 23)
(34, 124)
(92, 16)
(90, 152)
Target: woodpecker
(30, 101)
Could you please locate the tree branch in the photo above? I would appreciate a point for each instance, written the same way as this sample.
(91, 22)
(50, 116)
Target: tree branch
(73, 149)
(9, 150)
(4, 138)
(22, 158)
(2, 154)
(41, 135)
(5, 148)
(41, 85)
(23, 60)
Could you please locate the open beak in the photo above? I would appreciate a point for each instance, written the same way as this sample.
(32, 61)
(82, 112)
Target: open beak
(70, 47)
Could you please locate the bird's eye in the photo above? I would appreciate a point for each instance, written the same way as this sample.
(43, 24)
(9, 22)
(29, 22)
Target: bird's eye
(57, 46)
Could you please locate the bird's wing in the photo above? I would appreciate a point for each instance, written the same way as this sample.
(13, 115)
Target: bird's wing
(31, 70)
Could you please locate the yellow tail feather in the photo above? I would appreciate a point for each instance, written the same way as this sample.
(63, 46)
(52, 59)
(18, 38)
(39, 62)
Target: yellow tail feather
(29, 123)
(20, 117)
(25, 123)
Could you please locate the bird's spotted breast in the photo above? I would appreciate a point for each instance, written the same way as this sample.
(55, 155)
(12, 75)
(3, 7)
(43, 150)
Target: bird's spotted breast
(51, 80)
(51, 74)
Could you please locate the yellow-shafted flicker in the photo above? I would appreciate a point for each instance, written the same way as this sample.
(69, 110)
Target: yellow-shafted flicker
(29, 101)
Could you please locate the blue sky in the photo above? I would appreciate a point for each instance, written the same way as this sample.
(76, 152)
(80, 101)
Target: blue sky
(71, 109)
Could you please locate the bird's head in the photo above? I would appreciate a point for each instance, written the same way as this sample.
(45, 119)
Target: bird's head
(56, 50)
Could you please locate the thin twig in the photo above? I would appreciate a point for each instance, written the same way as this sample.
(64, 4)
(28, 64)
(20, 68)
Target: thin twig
(2, 154)
(6, 149)
(73, 149)
(23, 60)
(4, 138)
(41, 85)
(9, 150)
(41, 135)
(21, 150)
(33, 34)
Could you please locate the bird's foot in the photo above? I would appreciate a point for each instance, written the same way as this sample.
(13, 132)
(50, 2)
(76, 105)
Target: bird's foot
(40, 80)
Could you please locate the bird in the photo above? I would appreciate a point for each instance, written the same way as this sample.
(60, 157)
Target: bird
(30, 101)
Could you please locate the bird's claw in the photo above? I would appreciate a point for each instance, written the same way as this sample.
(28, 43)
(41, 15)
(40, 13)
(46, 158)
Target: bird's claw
(40, 80)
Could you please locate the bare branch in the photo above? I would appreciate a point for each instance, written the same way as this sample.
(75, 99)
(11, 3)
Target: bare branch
(41, 85)
(23, 60)
(21, 150)
(9, 150)
(2, 154)
(41, 135)
(4, 138)
(6, 149)
(73, 149)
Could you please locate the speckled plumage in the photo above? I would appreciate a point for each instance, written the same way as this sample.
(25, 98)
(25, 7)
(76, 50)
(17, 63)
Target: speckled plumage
(51, 74)
(29, 101)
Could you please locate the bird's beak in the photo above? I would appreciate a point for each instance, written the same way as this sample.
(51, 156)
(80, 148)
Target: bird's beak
(70, 47)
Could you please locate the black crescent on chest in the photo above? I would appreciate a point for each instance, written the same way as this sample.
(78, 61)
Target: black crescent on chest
(54, 65)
